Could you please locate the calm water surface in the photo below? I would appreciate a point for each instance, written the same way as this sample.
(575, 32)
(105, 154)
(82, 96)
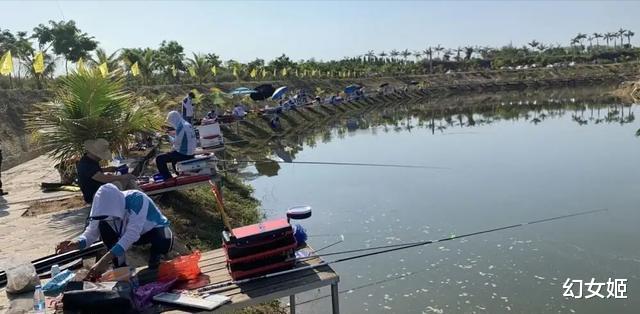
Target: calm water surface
(511, 165)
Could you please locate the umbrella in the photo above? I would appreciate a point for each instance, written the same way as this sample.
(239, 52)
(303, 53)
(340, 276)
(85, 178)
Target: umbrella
(351, 89)
(384, 84)
(263, 92)
(279, 92)
(240, 91)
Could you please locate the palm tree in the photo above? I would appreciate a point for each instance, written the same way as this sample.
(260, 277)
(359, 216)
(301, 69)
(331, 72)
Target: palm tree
(629, 34)
(370, 55)
(438, 49)
(112, 60)
(534, 43)
(417, 54)
(85, 106)
(200, 66)
(405, 54)
(597, 36)
(620, 34)
(608, 36)
(542, 47)
(394, 53)
(382, 55)
(468, 51)
(429, 52)
(590, 40)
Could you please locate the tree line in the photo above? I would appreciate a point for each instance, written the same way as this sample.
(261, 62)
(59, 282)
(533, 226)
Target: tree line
(63, 43)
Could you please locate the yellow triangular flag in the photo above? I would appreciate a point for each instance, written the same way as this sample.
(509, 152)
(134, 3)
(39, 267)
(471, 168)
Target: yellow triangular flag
(235, 72)
(104, 69)
(253, 73)
(6, 66)
(135, 69)
(304, 73)
(38, 63)
(174, 71)
(214, 70)
(297, 73)
(264, 72)
(274, 72)
(284, 72)
(80, 65)
(192, 71)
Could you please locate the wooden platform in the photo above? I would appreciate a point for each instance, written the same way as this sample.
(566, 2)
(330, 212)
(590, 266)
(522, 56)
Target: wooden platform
(213, 264)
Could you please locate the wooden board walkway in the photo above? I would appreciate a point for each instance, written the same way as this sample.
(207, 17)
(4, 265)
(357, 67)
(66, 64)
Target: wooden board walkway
(213, 264)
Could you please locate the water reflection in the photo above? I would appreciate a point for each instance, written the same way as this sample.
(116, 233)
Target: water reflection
(511, 158)
(451, 116)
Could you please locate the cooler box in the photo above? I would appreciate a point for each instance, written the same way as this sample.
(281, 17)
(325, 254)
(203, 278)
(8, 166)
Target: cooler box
(210, 135)
(200, 165)
(259, 249)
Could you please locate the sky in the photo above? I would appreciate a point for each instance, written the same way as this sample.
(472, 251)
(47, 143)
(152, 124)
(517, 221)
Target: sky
(245, 30)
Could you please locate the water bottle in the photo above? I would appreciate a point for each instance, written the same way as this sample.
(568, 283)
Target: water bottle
(38, 300)
(55, 270)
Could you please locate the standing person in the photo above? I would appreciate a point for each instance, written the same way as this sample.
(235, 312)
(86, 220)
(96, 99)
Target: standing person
(1, 191)
(91, 176)
(187, 107)
(122, 219)
(184, 144)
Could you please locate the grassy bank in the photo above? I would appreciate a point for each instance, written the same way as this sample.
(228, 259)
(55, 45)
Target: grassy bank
(15, 103)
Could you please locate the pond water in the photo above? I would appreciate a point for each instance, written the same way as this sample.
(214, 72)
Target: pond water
(507, 161)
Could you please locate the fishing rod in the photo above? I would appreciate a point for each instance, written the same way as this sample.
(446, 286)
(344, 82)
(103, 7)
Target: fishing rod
(335, 163)
(216, 287)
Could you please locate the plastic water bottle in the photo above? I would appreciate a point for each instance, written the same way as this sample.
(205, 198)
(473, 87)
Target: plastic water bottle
(55, 270)
(38, 300)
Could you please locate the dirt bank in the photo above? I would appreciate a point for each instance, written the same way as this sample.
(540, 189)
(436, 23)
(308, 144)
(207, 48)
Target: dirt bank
(14, 103)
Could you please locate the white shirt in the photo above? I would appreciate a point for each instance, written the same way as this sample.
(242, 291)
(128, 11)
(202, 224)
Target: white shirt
(187, 107)
(239, 112)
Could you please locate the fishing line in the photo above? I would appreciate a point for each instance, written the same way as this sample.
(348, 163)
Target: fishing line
(337, 163)
(216, 287)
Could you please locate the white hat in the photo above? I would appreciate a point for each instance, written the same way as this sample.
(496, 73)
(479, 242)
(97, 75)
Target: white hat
(98, 147)
(108, 201)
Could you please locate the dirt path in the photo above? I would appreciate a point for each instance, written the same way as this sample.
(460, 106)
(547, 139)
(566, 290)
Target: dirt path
(30, 237)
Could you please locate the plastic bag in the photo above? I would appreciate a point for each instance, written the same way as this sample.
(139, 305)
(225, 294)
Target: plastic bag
(181, 268)
(22, 278)
(56, 285)
(142, 297)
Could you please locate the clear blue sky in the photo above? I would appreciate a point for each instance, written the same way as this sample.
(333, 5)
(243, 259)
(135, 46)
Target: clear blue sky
(244, 30)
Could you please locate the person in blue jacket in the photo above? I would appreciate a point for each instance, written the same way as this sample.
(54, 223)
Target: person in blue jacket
(122, 219)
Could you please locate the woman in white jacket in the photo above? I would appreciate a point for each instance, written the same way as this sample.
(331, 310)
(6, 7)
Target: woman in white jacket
(122, 219)
(184, 145)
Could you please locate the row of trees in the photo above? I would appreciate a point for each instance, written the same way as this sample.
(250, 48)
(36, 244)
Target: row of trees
(63, 43)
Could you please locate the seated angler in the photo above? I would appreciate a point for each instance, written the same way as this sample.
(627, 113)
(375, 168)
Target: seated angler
(122, 219)
(91, 176)
(184, 144)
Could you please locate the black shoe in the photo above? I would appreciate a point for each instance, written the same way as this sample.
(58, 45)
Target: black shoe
(3, 193)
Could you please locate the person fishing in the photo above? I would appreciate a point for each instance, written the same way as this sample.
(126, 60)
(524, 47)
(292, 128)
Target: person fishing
(122, 219)
(184, 144)
(2, 192)
(187, 107)
(91, 176)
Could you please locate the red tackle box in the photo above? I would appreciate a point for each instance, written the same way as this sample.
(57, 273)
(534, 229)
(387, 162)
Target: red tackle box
(258, 249)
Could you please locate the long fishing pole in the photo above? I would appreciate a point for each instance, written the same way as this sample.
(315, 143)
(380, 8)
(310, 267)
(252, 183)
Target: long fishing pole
(218, 286)
(336, 163)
